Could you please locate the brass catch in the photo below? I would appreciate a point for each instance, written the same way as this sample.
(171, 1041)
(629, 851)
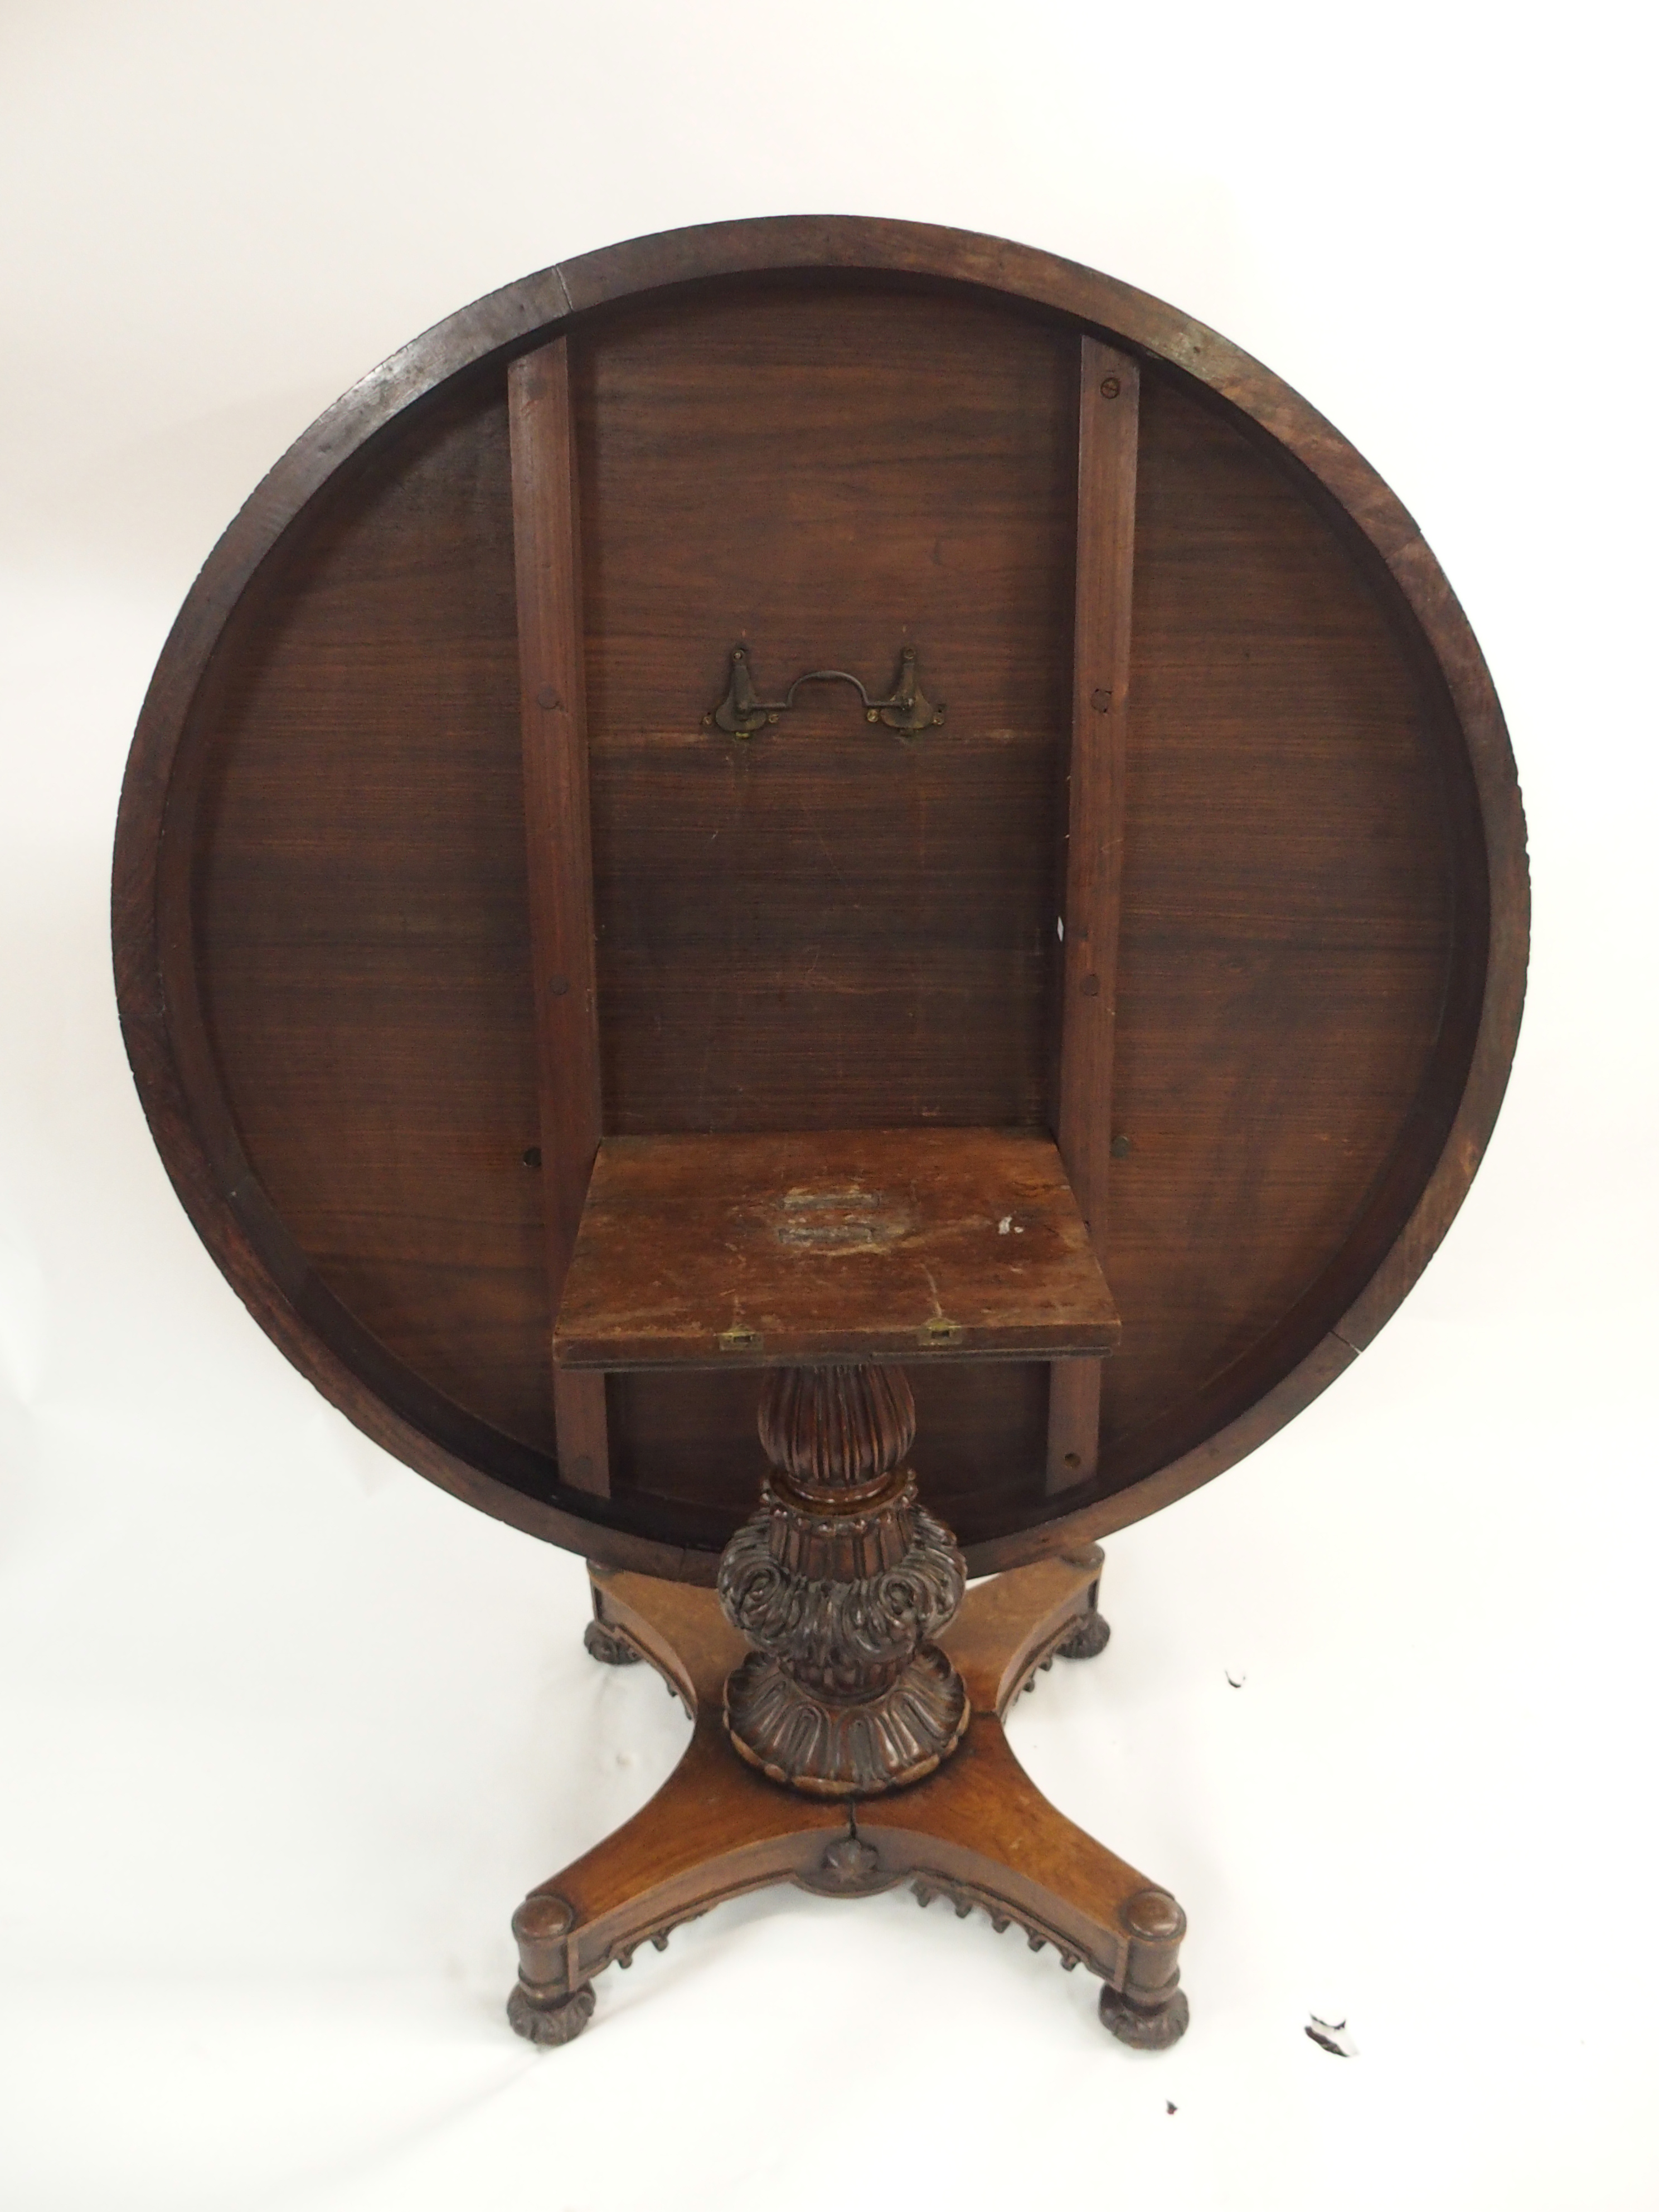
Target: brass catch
(742, 711)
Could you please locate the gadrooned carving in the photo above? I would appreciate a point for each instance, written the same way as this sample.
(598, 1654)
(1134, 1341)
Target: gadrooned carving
(832, 1748)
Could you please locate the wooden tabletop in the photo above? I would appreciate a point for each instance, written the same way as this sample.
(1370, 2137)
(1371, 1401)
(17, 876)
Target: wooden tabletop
(882, 1244)
(1232, 901)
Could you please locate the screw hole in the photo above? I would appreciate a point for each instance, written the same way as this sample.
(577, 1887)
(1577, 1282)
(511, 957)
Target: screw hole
(533, 1156)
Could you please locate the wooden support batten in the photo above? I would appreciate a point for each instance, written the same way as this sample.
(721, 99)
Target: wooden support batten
(1108, 422)
(547, 553)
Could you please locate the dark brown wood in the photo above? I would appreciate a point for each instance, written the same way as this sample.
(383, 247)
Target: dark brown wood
(700, 1251)
(448, 818)
(842, 1249)
(582, 1426)
(322, 933)
(840, 1582)
(976, 1831)
(1073, 1423)
(1109, 448)
(825, 926)
(553, 712)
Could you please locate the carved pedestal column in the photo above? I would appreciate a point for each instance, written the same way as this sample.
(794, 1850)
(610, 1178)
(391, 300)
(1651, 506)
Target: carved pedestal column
(839, 1581)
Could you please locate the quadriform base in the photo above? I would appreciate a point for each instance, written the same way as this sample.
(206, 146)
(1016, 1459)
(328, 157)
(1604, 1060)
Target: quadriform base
(977, 1831)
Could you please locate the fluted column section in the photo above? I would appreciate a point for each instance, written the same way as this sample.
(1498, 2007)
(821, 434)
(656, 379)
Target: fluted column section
(836, 1432)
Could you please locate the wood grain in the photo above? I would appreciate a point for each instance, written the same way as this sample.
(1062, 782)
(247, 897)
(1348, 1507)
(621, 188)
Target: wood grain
(553, 705)
(322, 939)
(1109, 445)
(352, 925)
(1290, 934)
(780, 1250)
(827, 927)
(977, 1831)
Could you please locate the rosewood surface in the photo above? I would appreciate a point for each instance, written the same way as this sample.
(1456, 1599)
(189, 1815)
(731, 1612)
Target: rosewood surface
(323, 910)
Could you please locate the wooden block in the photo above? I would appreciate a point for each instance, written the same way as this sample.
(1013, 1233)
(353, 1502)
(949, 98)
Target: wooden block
(583, 1425)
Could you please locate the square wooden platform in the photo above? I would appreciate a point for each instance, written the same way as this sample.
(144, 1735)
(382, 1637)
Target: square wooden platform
(802, 1246)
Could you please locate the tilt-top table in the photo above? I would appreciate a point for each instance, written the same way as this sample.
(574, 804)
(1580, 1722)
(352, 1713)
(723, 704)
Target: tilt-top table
(820, 907)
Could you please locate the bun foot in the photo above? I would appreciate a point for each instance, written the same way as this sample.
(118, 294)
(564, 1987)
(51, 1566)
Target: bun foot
(1144, 2027)
(1087, 1640)
(609, 1648)
(560, 2021)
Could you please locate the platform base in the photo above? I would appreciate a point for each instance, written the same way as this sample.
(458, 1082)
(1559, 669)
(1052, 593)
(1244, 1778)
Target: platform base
(977, 1831)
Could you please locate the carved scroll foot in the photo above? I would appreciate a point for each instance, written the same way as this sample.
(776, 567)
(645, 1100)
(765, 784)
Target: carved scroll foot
(607, 1647)
(1144, 2027)
(558, 2019)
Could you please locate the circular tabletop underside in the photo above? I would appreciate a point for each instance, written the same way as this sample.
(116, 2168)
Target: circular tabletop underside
(824, 439)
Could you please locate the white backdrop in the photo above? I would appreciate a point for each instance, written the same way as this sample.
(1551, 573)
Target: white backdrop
(285, 1732)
